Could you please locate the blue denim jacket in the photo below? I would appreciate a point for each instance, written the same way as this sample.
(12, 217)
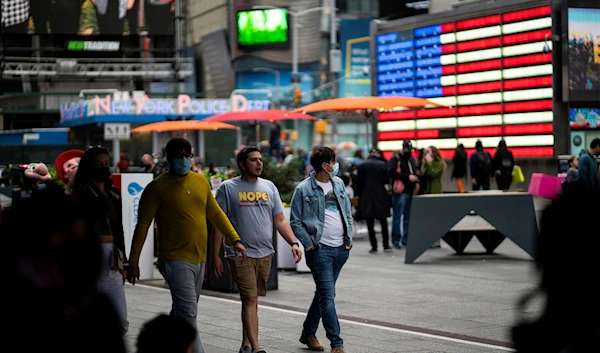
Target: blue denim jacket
(308, 211)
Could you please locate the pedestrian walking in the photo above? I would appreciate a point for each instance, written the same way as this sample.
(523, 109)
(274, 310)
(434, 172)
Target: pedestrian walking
(481, 168)
(504, 162)
(101, 201)
(573, 172)
(254, 207)
(403, 172)
(322, 220)
(374, 200)
(51, 271)
(588, 167)
(180, 202)
(459, 170)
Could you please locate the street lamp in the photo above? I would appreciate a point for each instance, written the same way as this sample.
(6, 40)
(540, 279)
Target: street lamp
(277, 80)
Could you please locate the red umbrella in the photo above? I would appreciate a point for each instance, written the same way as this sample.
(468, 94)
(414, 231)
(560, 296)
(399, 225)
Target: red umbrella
(260, 115)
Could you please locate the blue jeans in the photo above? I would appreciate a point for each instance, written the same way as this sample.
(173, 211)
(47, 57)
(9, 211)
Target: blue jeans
(401, 207)
(185, 283)
(325, 264)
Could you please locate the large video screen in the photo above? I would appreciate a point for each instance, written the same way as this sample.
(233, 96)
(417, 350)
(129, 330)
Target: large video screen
(493, 73)
(263, 28)
(584, 49)
(88, 18)
(585, 118)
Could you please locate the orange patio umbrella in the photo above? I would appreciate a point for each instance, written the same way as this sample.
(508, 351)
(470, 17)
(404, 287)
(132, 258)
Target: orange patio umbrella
(260, 115)
(363, 103)
(186, 125)
(183, 125)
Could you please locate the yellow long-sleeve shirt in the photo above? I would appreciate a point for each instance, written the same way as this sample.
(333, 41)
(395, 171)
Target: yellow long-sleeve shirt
(180, 218)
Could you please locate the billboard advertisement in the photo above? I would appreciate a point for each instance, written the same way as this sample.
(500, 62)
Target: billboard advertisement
(584, 53)
(584, 118)
(88, 17)
(263, 28)
(131, 187)
(493, 74)
(356, 53)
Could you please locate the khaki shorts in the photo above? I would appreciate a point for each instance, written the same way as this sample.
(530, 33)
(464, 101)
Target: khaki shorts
(251, 276)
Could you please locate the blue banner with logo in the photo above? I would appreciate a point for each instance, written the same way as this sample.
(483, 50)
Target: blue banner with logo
(354, 42)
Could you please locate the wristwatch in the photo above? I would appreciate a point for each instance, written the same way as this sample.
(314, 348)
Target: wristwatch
(295, 243)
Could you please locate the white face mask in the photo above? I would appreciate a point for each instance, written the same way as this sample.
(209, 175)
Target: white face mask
(336, 169)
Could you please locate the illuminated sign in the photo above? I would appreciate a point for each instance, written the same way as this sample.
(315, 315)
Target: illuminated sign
(183, 105)
(83, 45)
(493, 72)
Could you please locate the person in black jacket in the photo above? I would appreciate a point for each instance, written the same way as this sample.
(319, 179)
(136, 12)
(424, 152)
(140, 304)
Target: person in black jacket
(481, 168)
(101, 202)
(401, 201)
(51, 266)
(371, 179)
(459, 171)
(568, 278)
(504, 162)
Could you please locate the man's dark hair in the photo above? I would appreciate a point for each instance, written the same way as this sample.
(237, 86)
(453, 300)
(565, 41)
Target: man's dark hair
(242, 155)
(478, 144)
(166, 334)
(178, 146)
(595, 143)
(321, 155)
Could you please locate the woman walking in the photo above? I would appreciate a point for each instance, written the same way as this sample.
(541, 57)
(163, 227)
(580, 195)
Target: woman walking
(101, 203)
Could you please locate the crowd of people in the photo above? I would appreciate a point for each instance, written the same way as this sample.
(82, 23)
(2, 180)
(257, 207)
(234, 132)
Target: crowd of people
(74, 267)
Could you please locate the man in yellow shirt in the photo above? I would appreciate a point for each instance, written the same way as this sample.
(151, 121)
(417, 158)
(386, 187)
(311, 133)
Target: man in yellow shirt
(180, 202)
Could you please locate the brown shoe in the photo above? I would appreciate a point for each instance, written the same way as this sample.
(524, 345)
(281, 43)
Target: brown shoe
(313, 343)
(338, 349)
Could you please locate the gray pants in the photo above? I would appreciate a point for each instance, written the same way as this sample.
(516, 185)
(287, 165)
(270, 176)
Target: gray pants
(110, 284)
(185, 282)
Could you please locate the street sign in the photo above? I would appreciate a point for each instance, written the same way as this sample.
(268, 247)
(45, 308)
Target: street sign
(117, 131)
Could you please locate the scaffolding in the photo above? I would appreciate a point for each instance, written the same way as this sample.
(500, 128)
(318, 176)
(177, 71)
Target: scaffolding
(149, 69)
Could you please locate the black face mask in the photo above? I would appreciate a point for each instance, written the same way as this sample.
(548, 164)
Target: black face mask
(408, 154)
(100, 174)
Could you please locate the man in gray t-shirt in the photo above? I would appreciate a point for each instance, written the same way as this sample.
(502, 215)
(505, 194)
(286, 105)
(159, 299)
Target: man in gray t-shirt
(254, 208)
(251, 207)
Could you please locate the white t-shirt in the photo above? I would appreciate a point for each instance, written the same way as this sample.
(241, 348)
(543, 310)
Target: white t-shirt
(333, 228)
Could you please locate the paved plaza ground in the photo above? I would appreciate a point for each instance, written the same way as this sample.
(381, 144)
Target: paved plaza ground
(441, 303)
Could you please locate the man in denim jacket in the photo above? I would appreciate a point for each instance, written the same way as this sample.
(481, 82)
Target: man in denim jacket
(321, 219)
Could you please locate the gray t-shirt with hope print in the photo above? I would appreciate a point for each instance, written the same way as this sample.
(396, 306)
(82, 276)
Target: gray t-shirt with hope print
(251, 208)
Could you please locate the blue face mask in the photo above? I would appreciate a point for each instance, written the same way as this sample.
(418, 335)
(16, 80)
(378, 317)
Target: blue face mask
(41, 187)
(336, 169)
(155, 161)
(182, 165)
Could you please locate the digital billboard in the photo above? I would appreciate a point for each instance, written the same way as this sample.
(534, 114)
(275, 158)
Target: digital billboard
(88, 17)
(492, 73)
(584, 118)
(584, 53)
(263, 28)
(356, 58)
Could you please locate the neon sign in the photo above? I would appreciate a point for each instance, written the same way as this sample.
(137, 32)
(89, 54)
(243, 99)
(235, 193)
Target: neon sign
(183, 105)
(493, 72)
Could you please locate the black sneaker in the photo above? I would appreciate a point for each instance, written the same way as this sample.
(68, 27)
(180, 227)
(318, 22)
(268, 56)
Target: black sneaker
(372, 251)
(387, 249)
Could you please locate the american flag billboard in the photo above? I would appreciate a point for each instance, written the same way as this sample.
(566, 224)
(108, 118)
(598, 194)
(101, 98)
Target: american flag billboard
(493, 74)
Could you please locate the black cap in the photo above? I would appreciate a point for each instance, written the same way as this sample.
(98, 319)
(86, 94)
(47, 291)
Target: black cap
(407, 145)
(375, 151)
